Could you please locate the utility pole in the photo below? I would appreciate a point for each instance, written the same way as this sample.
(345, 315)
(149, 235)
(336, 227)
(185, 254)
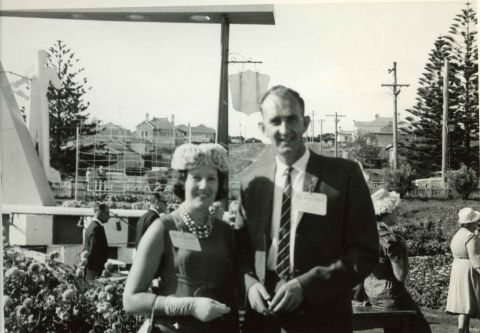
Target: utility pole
(445, 122)
(336, 129)
(396, 92)
(313, 126)
(321, 136)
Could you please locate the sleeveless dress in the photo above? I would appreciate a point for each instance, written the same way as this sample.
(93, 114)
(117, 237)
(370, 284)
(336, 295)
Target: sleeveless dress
(206, 273)
(464, 287)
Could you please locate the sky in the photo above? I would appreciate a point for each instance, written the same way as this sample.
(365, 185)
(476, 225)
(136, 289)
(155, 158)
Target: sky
(336, 54)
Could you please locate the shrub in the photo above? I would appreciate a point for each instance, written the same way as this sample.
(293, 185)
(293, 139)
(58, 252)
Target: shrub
(462, 181)
(400, 180)
(425, 238)
(43, 295)
(428, 280)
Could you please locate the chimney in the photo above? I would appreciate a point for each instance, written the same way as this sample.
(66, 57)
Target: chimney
(147, 116)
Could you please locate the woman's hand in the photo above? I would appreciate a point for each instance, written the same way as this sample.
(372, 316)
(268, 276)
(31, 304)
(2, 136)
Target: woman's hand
(206, 309)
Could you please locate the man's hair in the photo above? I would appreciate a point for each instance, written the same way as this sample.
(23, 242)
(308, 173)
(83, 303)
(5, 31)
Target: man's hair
(154, 198)
(282, 91)
(100, 207)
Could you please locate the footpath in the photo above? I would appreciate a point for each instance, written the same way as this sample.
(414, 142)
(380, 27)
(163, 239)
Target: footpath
(440, 322)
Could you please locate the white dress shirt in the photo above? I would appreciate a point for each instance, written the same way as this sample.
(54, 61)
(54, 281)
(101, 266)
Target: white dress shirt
(298, 177)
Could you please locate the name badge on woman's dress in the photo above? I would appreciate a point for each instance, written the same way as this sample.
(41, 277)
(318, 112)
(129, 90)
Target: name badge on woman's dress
(185, 240)
(310, 202)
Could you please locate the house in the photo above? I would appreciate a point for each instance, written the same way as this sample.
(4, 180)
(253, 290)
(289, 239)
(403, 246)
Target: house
(344, 137)
(378, 132)
(114, 131)
(200, 133)
(159, 131)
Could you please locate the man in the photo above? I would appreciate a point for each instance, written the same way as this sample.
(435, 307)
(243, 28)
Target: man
(96, 244)
(158, 207)
(306, 227)
(102, 177)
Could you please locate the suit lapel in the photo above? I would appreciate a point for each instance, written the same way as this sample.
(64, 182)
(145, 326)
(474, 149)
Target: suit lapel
(269, 189)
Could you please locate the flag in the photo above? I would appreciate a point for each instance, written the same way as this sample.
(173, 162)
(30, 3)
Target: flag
(246, 89)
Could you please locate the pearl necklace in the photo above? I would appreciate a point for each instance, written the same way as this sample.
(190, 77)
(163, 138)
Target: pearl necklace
(200, 231)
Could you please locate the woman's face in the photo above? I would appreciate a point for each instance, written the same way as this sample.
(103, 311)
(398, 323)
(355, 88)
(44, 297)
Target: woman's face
(201, 187)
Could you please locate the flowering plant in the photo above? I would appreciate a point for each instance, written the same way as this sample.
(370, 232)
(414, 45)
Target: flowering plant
(43, 295)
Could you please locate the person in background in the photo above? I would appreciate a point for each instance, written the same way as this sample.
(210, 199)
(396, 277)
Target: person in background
(158, 207)
(464, 288)
(384, 287)
(102, 178)
(95, 242)
(88, 175)
(192, 251)
(306, 228)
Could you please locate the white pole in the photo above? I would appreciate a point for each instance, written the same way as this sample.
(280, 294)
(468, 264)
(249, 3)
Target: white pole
(77, 156)
(2, 305)
(445, 122)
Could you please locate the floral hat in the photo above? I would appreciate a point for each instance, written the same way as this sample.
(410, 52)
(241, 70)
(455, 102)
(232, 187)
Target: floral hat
(189, 156)
(468, 215)
(385, 202)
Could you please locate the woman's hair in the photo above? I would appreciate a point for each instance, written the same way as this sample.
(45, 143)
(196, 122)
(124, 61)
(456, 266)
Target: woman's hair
(180, 176)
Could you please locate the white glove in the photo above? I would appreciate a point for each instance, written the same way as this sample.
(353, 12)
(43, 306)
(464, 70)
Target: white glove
(203, 308)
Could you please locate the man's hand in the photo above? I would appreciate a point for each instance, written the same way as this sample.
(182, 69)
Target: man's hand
(287, 298)
(258, 297)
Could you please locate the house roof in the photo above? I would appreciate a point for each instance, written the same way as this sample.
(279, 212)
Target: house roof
(112, 126)
(379, 125)
(183, 127)
(157, 123)
(202, 128)
(161, 123)
(196, 129)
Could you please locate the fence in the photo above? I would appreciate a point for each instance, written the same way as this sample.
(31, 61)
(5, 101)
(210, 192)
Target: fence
(426, 192)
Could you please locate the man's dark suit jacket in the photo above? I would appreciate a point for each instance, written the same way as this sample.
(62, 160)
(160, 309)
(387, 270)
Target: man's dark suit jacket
(143, 223)
(97, 247)
(332, 252)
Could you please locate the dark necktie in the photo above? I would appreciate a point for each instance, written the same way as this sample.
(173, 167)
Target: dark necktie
(283, 254)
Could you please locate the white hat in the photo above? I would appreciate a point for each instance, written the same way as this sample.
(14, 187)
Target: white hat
(189, 156)
(468, 215)
(385, 202)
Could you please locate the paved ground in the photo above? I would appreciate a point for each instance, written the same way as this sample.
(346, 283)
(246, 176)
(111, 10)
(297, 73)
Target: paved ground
(441, 323)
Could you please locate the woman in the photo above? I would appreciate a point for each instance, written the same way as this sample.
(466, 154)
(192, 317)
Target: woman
(464, 288)
(190, 250)
(384, 286)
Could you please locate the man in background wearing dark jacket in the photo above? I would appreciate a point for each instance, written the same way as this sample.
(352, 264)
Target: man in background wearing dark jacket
(95, 243)
(158, 207)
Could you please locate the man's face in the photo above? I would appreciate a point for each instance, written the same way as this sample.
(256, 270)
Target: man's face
(161, 205)
(284, 124)
(104, 215)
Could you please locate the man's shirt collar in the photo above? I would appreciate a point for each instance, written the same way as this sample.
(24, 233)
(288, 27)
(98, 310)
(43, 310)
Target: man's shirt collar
(300, 165)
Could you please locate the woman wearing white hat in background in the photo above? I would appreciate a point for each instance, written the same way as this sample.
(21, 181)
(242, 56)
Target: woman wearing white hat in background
(192, 251)
(464, 288)
(384, 286)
